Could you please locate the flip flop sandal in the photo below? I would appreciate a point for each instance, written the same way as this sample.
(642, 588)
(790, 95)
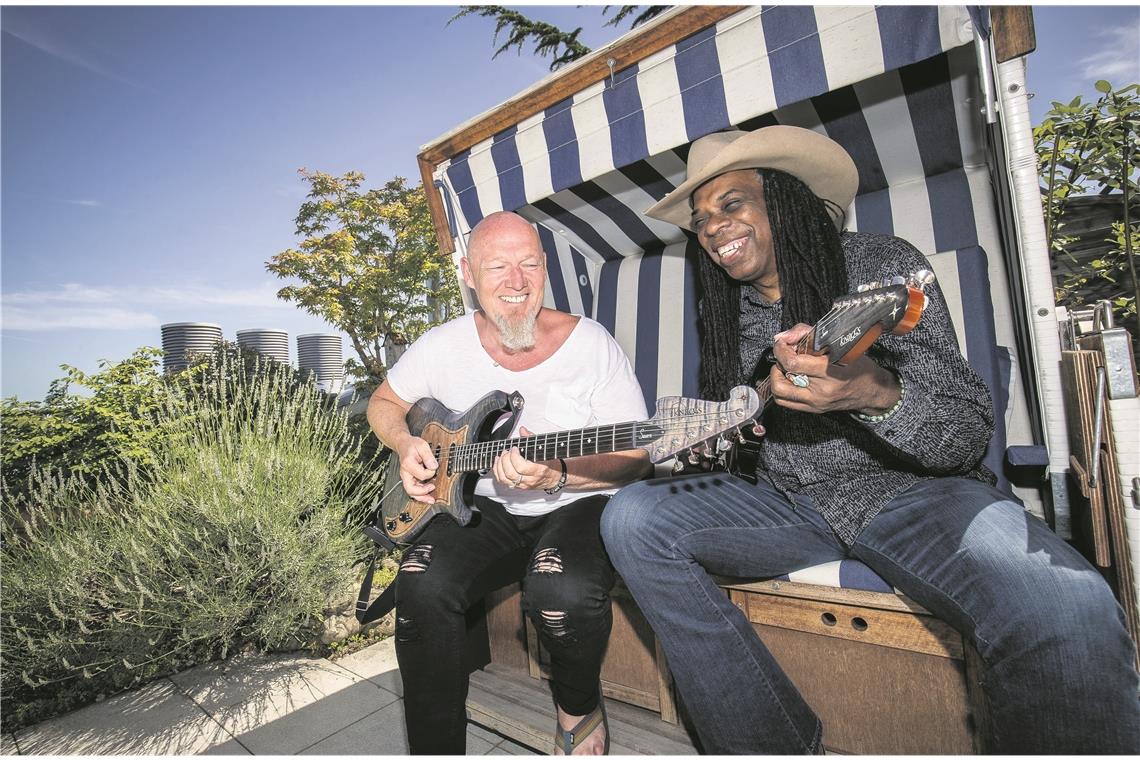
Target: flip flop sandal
(567, 741)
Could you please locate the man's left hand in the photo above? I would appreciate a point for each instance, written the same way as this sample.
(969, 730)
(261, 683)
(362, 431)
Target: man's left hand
(512, 469)
(861, 386)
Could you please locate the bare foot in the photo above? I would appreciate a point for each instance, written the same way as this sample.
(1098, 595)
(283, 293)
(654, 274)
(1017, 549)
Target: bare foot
(595, 743)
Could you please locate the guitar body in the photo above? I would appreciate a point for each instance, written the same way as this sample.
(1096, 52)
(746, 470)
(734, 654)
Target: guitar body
(466, 444)
(403, 517)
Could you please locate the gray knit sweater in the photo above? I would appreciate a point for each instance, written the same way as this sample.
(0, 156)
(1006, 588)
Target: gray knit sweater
(850, 468)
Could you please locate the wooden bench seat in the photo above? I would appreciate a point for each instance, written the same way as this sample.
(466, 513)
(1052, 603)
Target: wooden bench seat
(884, 675)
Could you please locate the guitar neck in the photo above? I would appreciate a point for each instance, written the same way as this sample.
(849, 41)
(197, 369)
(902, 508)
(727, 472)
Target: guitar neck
(604, 439)
(764, 387)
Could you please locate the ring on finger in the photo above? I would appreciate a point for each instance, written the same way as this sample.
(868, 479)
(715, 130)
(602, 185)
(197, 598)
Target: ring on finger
(516, 481)
(800, 381)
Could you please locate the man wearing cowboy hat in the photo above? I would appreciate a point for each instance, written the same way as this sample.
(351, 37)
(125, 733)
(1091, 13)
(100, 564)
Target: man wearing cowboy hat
(878, 460)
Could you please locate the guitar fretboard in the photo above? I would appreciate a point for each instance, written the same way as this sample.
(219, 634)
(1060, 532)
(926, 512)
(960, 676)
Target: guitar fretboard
(604, 439)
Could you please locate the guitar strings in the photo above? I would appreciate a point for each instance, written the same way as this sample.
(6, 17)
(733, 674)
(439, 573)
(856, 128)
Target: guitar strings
(621, 432)
(474, 453)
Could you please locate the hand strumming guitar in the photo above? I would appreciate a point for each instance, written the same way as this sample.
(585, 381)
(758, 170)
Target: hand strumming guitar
(808, 383)
(417, 467)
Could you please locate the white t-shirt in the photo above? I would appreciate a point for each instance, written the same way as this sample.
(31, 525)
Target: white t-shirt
(588, 381)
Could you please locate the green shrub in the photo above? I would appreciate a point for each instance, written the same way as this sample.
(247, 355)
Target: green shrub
(80, 433)
(236, 535)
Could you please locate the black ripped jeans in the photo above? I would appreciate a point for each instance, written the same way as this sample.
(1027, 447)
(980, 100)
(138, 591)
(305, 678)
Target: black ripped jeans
(566, 579)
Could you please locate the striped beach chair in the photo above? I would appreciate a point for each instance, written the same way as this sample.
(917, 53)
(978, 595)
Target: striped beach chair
(938, 129)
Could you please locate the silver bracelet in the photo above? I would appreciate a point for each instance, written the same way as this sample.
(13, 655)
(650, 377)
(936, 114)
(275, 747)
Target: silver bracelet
(889, 412)
(561, 481)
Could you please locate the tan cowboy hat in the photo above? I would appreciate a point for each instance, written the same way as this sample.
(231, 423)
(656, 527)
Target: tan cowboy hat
(818, 161)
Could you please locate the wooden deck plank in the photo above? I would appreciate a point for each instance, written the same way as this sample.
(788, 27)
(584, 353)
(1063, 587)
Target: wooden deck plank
(521, 708)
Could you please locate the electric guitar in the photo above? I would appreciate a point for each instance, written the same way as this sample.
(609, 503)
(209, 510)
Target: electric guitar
(850, 327)
(464, 445)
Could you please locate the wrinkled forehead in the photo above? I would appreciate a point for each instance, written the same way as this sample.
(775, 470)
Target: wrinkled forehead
(743, 180)
(514, 243)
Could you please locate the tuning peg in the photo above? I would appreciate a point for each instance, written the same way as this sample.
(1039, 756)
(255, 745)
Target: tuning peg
(898, 279)
(921, 279)
(679, 466)
(723, 444)
(694, 456)
(740, 436)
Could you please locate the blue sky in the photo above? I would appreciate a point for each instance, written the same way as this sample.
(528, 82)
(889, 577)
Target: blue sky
(149, 154)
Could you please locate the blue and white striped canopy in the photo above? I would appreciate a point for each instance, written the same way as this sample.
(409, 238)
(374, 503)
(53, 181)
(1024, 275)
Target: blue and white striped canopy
(897, 86)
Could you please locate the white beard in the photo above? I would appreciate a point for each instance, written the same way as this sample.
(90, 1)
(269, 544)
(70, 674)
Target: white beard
(516, 335)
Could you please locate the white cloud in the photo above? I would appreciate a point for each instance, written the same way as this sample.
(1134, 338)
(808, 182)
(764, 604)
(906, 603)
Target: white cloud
(91, 203)
(29, 30)
(1117, 58)
(74, 305)
(68, 293)
(71, 318)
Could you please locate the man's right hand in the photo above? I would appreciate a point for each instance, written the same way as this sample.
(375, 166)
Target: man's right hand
(417, 468)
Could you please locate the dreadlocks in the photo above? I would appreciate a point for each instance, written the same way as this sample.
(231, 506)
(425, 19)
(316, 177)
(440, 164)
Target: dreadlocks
(809, 263)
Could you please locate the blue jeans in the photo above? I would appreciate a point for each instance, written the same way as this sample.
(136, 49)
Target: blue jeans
(1058, 673)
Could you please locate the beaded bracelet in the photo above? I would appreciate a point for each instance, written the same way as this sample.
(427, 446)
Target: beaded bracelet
(561, 481)
(889, 412)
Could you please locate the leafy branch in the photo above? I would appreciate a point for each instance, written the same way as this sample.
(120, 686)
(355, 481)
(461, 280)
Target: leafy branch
(548, 40)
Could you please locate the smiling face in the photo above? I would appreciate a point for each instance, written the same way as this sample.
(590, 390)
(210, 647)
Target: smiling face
(506, 267)
(730, 219)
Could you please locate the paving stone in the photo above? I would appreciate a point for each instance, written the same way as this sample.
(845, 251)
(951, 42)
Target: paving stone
(487, 735)
(232, 747)
(281, 724)
(390, 681)
(381, 733)
(501, 744)
(509, 747)
(238, 680)
(480, 741)
(377, 663)
(154, 720)
(8, 745)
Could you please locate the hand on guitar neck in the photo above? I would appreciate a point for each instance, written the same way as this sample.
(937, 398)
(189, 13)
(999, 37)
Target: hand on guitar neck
(860, 386)
(512, 469)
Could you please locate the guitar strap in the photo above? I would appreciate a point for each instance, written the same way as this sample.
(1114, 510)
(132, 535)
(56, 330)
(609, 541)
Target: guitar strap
(365, 612)
(386, 602)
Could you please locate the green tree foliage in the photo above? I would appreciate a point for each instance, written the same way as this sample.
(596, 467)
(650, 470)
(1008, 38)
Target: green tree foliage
(87, 422)
(108, 421)
(549, 41)
(369, 265)
(1094, 148)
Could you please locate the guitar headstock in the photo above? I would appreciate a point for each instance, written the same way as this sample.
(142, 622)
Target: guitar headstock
(856, 321)
(680, 423)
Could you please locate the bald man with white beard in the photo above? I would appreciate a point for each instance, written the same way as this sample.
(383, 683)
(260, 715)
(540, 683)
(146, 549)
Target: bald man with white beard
(537, 521)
